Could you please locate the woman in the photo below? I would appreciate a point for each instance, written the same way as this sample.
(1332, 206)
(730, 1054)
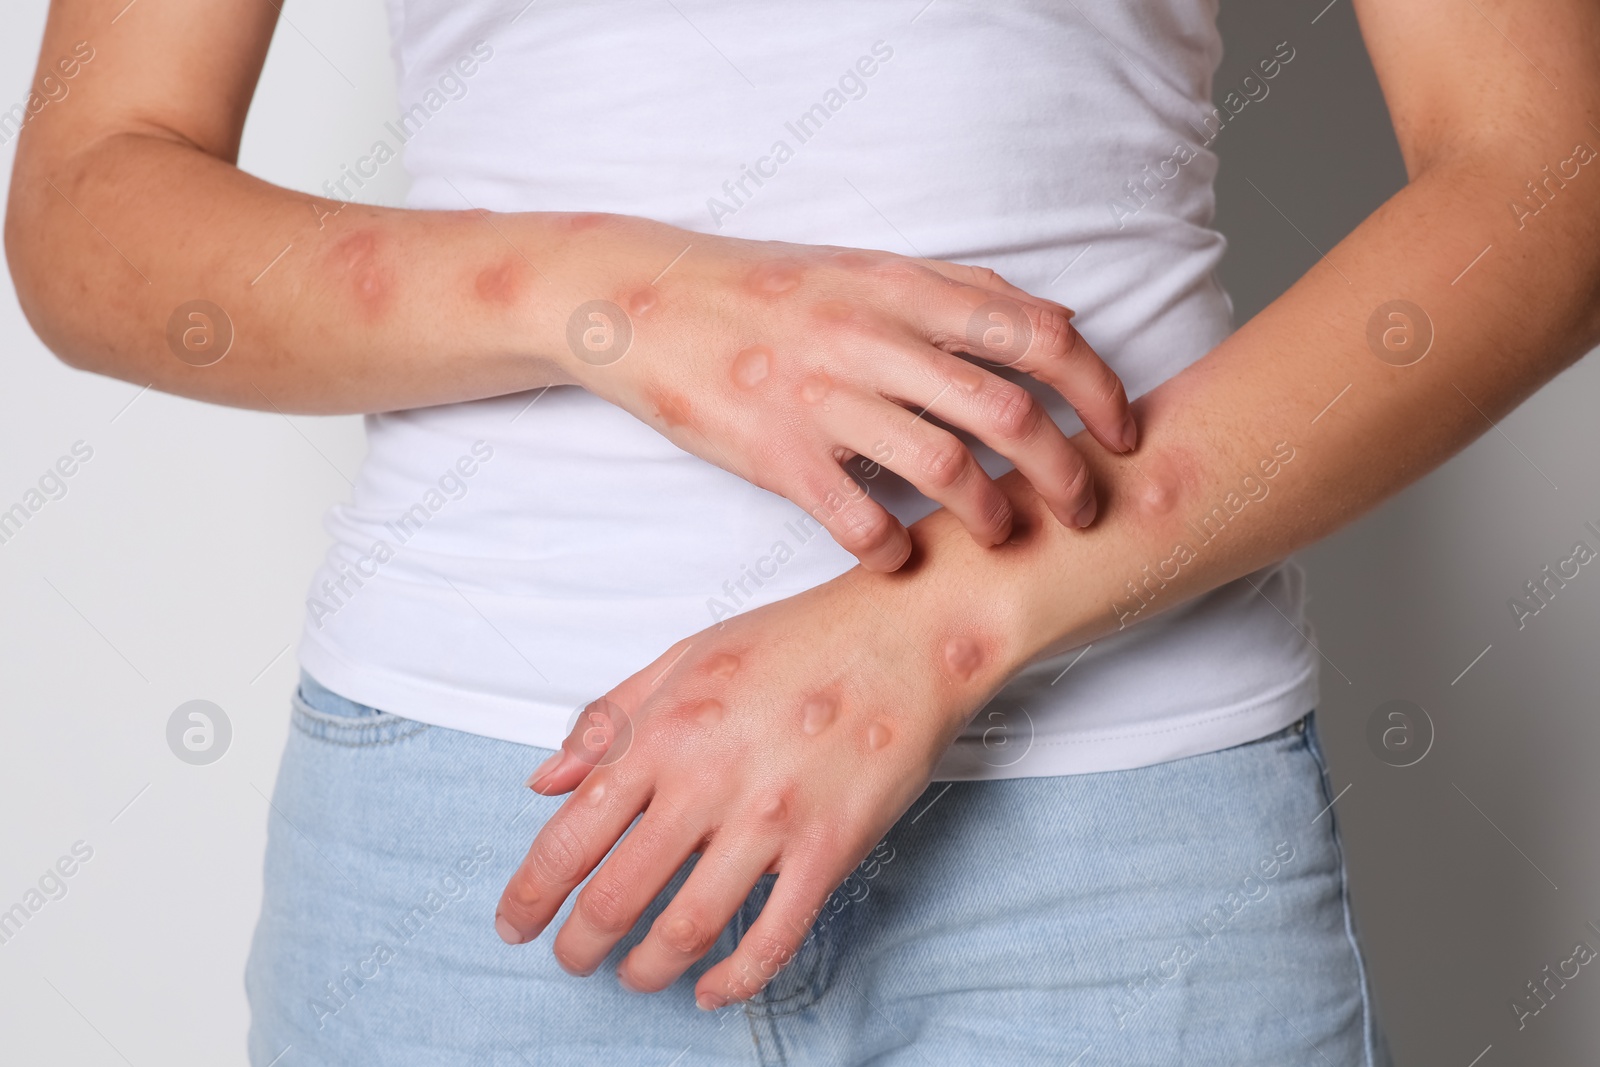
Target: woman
(637, 392)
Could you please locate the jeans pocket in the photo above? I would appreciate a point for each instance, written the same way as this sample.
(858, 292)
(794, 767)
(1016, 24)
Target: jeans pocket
(318, 712)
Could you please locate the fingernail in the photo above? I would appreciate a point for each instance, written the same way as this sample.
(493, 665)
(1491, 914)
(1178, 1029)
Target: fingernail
(1086, 513)
(508, 933)
(710, 1001)
(543, 770)
(1130, 433)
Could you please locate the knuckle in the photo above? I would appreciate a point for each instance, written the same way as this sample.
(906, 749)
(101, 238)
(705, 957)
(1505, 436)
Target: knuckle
(557, 854)
(1053, 333)
(521, 895)
(996, 510)
(1013, 413)
(945, 462)
(768, 953)
(897, 271)
(1108, 388)
(604, 906)
(986, 277)
(1078, 482)
(686, 935)
(862, 529)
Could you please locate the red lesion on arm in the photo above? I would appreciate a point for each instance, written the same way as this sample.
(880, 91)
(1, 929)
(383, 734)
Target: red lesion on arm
(1160, 481)
(500, 284)
(774, 278)
(358, 260)
(962, 656)
(642, 301)
(672, 408)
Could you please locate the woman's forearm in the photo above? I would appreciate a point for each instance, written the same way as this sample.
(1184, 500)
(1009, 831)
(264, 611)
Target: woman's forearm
(1302, 420)
(139, 250)
(333, 307)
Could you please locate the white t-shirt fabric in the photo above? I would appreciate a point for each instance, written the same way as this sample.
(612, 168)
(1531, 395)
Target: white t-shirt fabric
(502, 562)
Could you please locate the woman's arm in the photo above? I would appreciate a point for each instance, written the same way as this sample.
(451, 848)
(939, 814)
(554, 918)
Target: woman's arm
(1484, 269)
(792, 737)
(773, 361)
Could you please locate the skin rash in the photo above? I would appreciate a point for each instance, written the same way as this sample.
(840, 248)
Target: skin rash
(500, 284)
(773, 279)
(672, 408)
(751, 366)
(356, 258)
(642, 301)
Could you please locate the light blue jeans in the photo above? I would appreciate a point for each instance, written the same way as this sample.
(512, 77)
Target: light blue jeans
(1191, 913)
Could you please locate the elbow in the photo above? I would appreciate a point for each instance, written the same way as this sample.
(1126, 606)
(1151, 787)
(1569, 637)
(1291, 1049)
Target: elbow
(41, 287)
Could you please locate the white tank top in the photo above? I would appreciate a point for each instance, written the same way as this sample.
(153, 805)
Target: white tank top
(502, 562)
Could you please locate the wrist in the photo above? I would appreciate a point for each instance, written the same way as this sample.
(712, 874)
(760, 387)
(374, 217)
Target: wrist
(965, 611)
(597, 290)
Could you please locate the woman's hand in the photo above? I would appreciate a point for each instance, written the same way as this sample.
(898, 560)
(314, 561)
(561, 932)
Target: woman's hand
(779, 362)
(788, 739)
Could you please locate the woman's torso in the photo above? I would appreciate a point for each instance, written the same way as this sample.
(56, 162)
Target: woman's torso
(1060, 143)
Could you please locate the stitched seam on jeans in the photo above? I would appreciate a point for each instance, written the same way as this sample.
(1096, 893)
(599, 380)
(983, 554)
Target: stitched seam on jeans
(407, 731)
(348, 731)
(1367, 1034)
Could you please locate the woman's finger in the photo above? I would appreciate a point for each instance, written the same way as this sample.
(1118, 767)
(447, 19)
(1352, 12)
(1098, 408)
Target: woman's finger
(773, 939)
(638, 868)
(566, 849)
(601, 735)
(929, 457)
(603, 731)
(1035, 337)
(860, 525)
(689, 925)
(1003, 415)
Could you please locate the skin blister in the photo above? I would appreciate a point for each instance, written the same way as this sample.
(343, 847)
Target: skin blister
(878, 735)
(499, 284)
(643, 301)
(962, 656)
(356, 257)
(708, 712)
(723, 665)
(774, 279)
(672, 408)
(818, 714)
(776, 809)
(1159, 482)
(814, 388)
(751, 366)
